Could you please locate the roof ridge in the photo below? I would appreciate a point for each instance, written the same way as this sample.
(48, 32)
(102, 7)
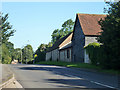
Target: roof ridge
(91, 21)
(59, 41)
(64, 36)
(90, 14)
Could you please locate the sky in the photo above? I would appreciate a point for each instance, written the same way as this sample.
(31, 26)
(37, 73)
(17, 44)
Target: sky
(34, 22)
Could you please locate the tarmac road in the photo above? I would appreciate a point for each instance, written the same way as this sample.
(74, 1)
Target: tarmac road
(49, 76)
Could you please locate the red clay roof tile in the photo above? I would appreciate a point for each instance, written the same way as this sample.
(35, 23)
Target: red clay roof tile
(89, 23)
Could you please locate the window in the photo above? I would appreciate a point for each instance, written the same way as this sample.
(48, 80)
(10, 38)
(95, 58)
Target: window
(68, 53)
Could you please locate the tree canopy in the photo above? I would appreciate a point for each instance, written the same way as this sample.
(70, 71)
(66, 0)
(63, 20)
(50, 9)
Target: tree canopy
(27, 53)
(6, 32)
(6, 28)
(67, 27)
(110, 35)
(16, 54)
(40, 53)
(5, 55)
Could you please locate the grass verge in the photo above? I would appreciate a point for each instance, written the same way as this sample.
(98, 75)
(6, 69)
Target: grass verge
(80, 65)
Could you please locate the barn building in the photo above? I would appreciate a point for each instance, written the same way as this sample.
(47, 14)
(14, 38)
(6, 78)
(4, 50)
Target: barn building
(71, 47)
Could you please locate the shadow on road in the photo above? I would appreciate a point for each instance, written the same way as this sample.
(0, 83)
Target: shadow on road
(55, 70)
(77, 83)
(31, 68)
(72, 81)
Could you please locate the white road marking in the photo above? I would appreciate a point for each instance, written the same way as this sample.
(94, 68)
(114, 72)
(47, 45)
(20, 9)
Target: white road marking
(92, 82)
(73, 76)
(85, 79)
(102, 84)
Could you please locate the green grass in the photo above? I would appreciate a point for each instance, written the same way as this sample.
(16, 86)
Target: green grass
(80, 65)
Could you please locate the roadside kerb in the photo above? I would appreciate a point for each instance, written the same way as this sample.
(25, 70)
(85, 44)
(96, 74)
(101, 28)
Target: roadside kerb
(11, 83)
(3, 85)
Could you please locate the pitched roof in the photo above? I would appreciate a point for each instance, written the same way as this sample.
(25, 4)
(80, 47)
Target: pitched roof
(89, 23)
(69, 45)
(58, 42)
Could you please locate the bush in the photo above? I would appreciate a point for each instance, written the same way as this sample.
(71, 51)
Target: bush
(6, 59)
(30, 62)
(96, 53)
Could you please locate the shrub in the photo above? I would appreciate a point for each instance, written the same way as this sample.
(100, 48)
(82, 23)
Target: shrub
(94, 52)
(97, 55)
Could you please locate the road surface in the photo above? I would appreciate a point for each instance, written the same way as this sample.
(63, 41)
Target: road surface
(49, 76)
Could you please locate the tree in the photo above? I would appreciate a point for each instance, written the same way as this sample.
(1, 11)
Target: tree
(67, 27)
(27, 53)
(0, 29)
(16, 54)
(10, 47)
(6, 29)
(40, 53)
(55, 35)
(6, 59)
(0, 39)
(110, 36)
(49, 44)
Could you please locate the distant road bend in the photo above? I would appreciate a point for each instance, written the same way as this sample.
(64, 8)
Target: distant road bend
(49, 76)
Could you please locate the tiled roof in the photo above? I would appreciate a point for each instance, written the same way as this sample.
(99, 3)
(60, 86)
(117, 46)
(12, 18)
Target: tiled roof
(58, 43)
(89, 23)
